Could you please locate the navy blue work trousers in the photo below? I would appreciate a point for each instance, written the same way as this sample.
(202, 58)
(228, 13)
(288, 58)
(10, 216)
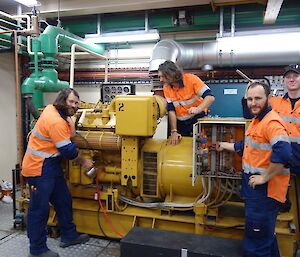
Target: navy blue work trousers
(42, 191)
(259, 238)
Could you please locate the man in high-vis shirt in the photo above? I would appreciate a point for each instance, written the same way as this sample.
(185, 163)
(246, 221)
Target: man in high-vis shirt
(266, 153)
(49, 142)
(188, 99)
(288, 108)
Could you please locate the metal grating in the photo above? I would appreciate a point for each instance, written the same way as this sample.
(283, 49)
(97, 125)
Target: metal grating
(150, 174)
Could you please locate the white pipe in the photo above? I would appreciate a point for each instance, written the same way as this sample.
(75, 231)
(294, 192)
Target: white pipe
(85, 110)
(73, 49)
(6, 15)
(17, 18)
(27, 17)
(19, 12)
(82, 117)
(106, 71)
(232, 21)
(72, 70)
(29, 48)
(22, 16)
(221, 26)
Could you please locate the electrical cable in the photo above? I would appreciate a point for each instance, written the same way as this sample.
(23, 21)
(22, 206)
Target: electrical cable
(218, 186)
(98, 221)
(104, 211)
(155, 204)
(225, 201)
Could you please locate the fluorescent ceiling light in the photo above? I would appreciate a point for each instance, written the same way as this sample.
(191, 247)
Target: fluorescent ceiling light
(29, 3)
(128, 36)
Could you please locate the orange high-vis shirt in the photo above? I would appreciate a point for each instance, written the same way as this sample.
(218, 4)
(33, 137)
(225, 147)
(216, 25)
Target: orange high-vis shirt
(50, 132)
(183, 98)
(260, 136)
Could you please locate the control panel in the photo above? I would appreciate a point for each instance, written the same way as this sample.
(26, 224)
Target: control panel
(110, 90)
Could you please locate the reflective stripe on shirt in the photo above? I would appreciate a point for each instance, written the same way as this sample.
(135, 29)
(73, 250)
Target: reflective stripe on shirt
(62, 143)
(202, 91)
(186, 102)
(48, 139)
(290, 119)
(277, 139)
(42, 154)
(256, 145)
(294, 139)
(254, 170)
(40, 136)
(185, 117)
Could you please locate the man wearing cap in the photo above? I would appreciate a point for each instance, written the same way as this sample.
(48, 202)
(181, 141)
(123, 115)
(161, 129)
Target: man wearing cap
(266, 153)
(288, 108)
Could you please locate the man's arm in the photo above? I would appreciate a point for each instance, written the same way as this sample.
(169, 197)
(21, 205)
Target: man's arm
(175, 136)
(281, 154)
(221, 146)
(207, 102)
(273, 169)
(60, 136)
(84, 162)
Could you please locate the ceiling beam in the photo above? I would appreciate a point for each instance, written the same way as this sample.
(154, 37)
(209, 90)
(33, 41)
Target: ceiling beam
(79, 7)
(272, 11)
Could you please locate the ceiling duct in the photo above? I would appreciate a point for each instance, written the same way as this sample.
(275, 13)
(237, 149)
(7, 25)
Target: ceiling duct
(241, 50)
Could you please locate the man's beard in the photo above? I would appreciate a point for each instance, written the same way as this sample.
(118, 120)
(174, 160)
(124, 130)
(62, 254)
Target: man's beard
(69, 111)
(261, 110)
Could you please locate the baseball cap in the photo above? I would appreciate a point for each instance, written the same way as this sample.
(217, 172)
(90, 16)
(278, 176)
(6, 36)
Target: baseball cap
(294, 68)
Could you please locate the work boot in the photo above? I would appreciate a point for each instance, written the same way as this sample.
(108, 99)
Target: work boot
(49, 253)
(81, 239)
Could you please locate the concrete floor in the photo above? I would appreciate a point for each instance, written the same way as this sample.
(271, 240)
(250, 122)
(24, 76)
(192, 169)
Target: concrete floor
(14, 243)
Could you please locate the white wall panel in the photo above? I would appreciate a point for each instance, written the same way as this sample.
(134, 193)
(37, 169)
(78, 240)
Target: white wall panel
(8, 124)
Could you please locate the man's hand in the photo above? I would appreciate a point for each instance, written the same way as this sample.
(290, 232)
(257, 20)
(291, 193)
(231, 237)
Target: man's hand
(87, 163)
(84, 162)
(256, 180)
(220, 146)
(175, 138)
(194, 110)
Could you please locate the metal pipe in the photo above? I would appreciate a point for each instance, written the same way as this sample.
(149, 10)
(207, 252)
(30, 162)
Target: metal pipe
(232, 20)
(9, 23)
(99, 24)
(6, 15)
(18, 109)
(230, 51)
(244, 75)
(146, 21)
(73, 48)
(221, 26)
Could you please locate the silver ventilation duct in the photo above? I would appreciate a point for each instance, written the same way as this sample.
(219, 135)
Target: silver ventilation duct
(244, 50)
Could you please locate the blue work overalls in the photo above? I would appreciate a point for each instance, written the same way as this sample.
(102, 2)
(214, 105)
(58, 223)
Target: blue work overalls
(49, 187)
(260, 220)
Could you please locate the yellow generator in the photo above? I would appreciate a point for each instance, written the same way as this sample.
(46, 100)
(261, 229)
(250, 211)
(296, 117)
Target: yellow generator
(146, 182)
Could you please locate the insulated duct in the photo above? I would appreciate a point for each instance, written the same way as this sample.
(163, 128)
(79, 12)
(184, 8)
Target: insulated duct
(244, 50)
